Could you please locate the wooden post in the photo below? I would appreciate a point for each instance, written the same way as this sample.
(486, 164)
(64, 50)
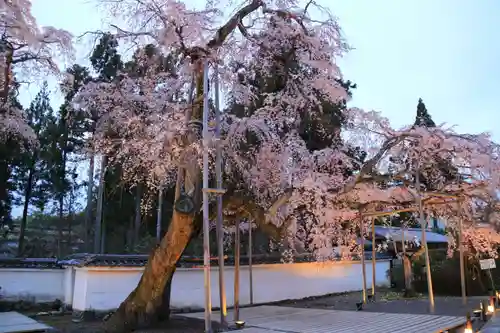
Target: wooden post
(424, 243)
(462, 266)
(250, 266)
(219, 220)
(206, 207)
(363, 257)
(159, 214)
(374, 261)
(403, 241)
(237, 271)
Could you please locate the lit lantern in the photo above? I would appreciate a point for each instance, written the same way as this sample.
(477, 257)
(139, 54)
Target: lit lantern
(491, 305)
(468, 325)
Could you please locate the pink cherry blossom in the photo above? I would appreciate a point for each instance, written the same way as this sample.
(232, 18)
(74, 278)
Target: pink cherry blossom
(27, 50)
(144, 127)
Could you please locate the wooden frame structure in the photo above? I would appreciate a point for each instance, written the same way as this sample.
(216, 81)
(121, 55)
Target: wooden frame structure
(420, 205)
(433, 199)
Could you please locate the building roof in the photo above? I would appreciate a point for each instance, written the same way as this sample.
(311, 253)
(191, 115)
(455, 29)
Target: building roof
(410, 234)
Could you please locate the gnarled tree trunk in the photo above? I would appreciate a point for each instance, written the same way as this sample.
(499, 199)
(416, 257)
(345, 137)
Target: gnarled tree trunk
(408, 259)
(408, 277)
(142, 307)
(152, 293)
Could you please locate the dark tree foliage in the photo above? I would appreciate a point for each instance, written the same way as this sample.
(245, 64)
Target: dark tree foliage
(105, 58)
(447, 171)
(319, 130)
(9, 159)
(423, 117)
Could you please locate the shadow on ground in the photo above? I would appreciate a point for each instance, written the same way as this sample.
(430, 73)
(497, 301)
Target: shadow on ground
(64, 324)
(390, 302)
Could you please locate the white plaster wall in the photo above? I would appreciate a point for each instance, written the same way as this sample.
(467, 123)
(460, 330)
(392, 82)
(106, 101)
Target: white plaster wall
(103, 288)
(32, 284)
(277, 282)
(69, 283)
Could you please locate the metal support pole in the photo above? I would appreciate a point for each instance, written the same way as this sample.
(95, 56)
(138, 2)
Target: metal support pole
(361, 227)
(424, 243)
(160, 213)
(88, 209)
(219, 221)
(237, 271)
(206, 213)
(403, 243)
(462, 265)
(250, 265)
(99, 209)
(374, 261)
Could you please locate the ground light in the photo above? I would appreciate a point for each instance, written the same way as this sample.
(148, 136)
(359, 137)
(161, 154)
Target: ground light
(239, 324)
(483, 311)
(468, 325)
(491, 306)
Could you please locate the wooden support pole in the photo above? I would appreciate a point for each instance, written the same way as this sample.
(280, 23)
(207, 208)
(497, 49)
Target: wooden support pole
(250, 264)
(374, 260)
(237, 272)
(462, 265)
(363, 264)
(424, 243)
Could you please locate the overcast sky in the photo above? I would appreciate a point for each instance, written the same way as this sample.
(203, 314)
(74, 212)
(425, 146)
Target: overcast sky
(444, 51)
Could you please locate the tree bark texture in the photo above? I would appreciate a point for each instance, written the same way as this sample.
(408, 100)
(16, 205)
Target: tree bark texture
(408, 276)
(24, 220)
(152, 295)
(138, 215)
(88, 209)
(99, 208)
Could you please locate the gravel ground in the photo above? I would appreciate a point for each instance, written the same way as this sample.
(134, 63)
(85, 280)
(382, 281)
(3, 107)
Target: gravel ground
(64, 324)
(386, 301)
(391, 302)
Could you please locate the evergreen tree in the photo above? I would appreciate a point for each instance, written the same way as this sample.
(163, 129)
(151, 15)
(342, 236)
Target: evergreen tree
(319, 130)
(67, 138)
(33, 171)
(9, 160)
(107, 63)
(447, 171)
(423, 117)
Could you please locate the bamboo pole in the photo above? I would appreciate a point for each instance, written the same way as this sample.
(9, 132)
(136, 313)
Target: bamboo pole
(410, 209)
(424, 243)
(237, 272)
(250, 265)
(361, 227)
(403, 241)
(374, 261)
(219, 220)
(206, 213)
(99, 208)
(159, 214)
(462, 265)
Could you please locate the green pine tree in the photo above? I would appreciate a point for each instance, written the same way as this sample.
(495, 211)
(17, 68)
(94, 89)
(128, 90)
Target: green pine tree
(9, 160)
(33, 171)
(423, 117)
(107, 63)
